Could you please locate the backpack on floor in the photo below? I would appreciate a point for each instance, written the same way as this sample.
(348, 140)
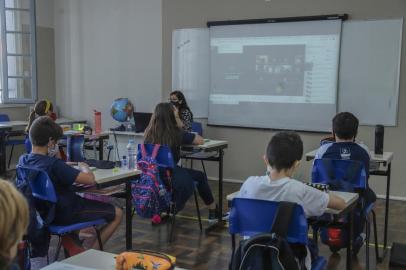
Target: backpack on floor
(151, 196)
(271, 251)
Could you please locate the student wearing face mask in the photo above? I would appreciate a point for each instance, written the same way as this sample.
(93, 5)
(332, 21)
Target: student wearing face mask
(185, 115)
(70, 208)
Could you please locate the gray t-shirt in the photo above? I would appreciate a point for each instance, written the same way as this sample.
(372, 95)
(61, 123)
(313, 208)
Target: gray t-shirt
(313, 201)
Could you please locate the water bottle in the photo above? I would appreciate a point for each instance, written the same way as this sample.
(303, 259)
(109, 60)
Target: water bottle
(97, 122)
(124, 164)
(132, 154)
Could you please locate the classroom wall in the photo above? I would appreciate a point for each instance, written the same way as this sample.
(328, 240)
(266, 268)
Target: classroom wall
(104, 50)
(246, 146)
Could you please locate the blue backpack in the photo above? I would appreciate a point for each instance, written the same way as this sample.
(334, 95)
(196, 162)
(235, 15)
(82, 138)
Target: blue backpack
(151, 196)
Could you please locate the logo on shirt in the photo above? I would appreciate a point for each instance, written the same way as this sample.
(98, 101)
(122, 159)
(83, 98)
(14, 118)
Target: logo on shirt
(345, 153)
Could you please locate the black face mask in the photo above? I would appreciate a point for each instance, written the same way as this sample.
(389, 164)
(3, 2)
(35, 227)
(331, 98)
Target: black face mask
(175, 103)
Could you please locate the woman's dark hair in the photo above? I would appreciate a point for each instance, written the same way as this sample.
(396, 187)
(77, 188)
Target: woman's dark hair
(345, 125)
(43, 129)
(41, 108)
(284, 149)
(162, 128)
(183, 104)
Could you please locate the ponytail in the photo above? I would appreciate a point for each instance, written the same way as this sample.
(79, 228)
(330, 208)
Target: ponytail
(31, 119)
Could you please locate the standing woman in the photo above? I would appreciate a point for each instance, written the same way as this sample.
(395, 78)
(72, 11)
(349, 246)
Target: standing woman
(185, 114)
(164, 130)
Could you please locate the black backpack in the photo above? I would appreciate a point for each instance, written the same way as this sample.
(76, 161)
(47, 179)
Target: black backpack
(271, 251)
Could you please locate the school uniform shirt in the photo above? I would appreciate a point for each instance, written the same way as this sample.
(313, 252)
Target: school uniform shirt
(313, 201)
(61, 175)
(345, 150)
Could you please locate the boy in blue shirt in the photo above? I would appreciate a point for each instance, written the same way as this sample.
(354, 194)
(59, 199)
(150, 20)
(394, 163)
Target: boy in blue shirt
(345, 129)
(70, 208)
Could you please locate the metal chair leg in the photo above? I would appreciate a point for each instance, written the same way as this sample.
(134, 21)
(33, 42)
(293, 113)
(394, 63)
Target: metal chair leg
(99, 238)
(376, 236)
(368, 233)
(204, 168)
(173, 211)
(11, 155)
(198, 210)
(58, 249)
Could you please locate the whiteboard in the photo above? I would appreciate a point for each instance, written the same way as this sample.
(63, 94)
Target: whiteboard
(190, 68)
(370, 69)
(368, 75)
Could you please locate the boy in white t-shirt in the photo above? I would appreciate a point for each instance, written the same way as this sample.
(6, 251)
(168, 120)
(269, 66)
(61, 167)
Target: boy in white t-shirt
(283, 156)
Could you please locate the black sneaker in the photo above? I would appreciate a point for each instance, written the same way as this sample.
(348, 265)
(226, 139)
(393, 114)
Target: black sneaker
(358, 243)
(214, 214)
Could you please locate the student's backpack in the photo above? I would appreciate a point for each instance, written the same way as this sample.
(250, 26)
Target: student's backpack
(271, 251)
(151, 196)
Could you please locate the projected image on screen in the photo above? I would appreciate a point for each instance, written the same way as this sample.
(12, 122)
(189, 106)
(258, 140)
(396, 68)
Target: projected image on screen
(259, 71)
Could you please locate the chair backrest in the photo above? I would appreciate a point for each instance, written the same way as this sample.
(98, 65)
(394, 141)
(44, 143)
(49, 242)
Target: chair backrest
(4, 118)
(39, 181)
(164, 157)
(249, 217)
(27, 145)
(75, 148)
(340, 174)
(197, 127)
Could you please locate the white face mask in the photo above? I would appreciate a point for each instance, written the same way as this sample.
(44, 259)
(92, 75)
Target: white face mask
(268, 170)
(53, 151)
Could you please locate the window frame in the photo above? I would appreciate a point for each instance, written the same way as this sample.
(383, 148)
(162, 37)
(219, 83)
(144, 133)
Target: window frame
(5, 98)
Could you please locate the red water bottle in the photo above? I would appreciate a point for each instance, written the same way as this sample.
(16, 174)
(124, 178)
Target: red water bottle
(97, 122)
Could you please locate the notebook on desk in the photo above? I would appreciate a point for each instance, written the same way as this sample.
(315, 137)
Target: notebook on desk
(141, 120)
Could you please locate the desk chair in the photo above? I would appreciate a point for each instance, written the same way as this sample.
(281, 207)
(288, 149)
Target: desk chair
(348, 176)
(247, 219)
(75, 148)
(165, 161)
(11, 134)
(42, 189)
(198, 155)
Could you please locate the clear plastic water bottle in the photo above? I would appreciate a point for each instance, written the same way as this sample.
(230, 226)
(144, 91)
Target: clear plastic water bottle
(124, 162)
(132, 154)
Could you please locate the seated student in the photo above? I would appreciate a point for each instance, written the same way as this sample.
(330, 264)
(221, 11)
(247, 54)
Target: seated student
(163, 129)
(13, 222)
(43, 108)
(70, 208)
(283, 156)
(345, 128)
(184, 116)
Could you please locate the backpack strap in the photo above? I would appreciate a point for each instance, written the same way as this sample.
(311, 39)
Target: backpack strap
(143, 151)
(155, 150)
(283, 217)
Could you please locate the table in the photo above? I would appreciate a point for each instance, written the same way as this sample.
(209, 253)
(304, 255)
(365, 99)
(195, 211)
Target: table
(350, 204)
(375, 169)
(20, 125)
(117, 176)
(213, 146)
(89, 260)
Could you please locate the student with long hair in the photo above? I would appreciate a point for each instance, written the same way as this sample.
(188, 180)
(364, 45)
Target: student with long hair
(41, 108)
(14, 216)
(163, 129)
(177, 98)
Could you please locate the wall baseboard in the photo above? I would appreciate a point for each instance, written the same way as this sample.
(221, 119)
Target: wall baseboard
(239, 181)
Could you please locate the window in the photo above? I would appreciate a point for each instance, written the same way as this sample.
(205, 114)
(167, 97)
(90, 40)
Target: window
(18, 51)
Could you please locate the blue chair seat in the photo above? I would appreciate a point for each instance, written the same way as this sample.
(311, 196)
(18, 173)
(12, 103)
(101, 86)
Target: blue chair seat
(59, 230)
(319, 263)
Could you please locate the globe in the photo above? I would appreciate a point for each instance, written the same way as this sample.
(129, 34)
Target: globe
(122, 109)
